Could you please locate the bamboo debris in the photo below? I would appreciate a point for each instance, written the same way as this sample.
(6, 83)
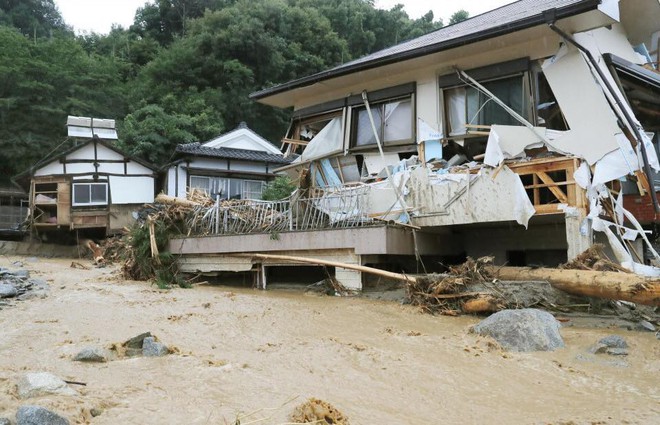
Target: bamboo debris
(590, 283)
(364, 269)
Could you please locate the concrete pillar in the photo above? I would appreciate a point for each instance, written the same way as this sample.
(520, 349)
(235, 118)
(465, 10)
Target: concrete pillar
(351, 279)
(579, 235)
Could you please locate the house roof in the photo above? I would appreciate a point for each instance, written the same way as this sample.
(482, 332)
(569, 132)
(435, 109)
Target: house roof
(198, 149)
(504, 20)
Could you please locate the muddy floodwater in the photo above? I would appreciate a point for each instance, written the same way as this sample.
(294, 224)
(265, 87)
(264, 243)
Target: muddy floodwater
(253, 355)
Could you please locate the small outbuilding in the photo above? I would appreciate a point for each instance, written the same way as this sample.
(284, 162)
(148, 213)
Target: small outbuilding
(92, 185)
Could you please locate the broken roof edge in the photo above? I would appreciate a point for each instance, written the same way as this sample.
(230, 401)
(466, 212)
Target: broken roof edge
(499, 30)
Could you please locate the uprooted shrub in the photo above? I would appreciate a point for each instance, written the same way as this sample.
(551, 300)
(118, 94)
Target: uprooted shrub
(140, 264)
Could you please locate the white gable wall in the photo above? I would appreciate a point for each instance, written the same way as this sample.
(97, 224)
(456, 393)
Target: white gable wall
(243, 138)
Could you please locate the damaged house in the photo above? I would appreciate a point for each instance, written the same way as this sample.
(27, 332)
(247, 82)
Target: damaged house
(517, 133)
(92, 188)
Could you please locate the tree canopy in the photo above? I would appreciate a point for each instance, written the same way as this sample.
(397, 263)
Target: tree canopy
(182, 72)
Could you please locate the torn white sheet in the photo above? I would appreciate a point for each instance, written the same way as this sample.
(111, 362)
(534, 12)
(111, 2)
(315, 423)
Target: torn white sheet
(592, 122)
(582, 176)
(650, 151)
(328, 141)
(375, 163)
(427, 132)
(523, 209)
(616, 164)
(509, 141)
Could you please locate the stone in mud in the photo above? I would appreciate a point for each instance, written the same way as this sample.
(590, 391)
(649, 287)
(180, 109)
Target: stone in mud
(5, 421)
(617, 351)
(522, 330)
(134, 345)
(598, 349)
(614, 341)
(7, 290)
(153, 348)
(644, 325)
(36, 415)
(21, 273)
(93, 355)
(42, 383)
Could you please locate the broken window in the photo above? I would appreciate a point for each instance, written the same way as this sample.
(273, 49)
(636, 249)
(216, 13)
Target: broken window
(393, 120)
(90, 194)
(252, 189)
(467, 105)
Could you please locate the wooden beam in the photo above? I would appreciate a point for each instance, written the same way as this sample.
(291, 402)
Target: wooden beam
(559, 194)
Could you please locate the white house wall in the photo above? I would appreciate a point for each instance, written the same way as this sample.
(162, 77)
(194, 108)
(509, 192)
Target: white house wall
(131, 190)
(248, 167)
(52, 168)
(209, 164)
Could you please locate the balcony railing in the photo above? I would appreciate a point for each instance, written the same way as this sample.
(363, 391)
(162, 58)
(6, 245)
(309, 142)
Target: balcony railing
(342, 207)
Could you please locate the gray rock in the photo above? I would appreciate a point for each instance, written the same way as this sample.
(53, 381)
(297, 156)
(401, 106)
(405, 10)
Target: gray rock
(38, 283)
(95, 411)
(38, 293)
(93, 354)
(7, 290)
(643, 325)
(21, 273)
(134, 345)
(153, 348)
(617, 351)
(36, 415)
(5, 421)
(614, 341)
(42, 383)
(598, 349)
(522, 330)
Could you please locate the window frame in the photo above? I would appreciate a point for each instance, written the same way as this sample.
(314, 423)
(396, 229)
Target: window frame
(521, 67)
(74, 185)
(355, 121)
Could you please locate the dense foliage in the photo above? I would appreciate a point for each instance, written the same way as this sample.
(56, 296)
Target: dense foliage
(182, 72)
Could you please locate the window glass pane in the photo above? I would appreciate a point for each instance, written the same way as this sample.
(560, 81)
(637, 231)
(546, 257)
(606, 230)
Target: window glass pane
(365, 133)
(235, 188)
(455, 106)
(199, 182)
(398, 121)
(252, 189)
(219, 187)
(81, 194)
(99, 193)
(483, 110)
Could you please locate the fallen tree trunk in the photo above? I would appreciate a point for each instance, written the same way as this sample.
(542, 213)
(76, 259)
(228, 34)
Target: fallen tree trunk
(171, 200)
(356, 267)
(599, 284)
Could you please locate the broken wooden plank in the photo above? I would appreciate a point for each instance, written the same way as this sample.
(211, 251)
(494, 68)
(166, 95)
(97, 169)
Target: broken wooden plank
(609, 285)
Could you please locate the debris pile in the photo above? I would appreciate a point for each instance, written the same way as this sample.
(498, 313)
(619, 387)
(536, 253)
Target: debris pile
(318, 411)
(594, 258)
(447, 293)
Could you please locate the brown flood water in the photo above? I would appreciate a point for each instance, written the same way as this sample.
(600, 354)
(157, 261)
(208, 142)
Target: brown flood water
(247, 352)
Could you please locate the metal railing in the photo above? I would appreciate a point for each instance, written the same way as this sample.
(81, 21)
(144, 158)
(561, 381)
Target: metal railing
(329, 208)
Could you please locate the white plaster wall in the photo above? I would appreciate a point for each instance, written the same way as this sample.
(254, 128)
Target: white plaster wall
(108, 167)
(135, 168)
(52, 168)
(78, 168)
(131, 190)
(248, 166)
(209, 163)
(428, 96)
